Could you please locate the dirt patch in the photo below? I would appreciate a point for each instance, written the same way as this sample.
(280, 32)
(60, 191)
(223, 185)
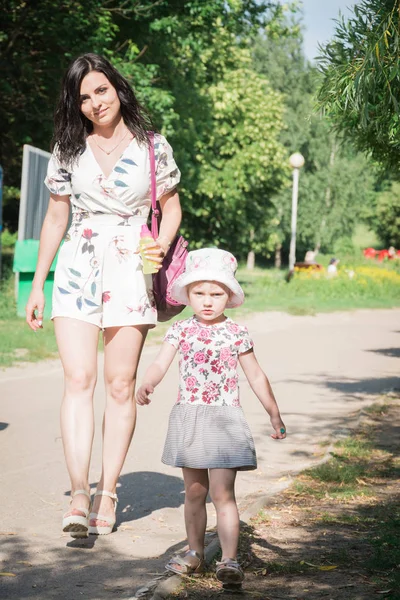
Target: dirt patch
(334, 533)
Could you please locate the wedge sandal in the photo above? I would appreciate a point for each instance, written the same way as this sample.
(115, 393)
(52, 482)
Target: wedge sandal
(103, 529)
(77, 525)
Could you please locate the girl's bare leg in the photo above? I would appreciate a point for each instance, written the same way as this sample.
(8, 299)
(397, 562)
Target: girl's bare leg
(196, 490)
(122, 350)
(77, 344)
(222, 492)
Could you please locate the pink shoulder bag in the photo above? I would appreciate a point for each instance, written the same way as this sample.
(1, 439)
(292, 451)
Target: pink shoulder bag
(174, 261)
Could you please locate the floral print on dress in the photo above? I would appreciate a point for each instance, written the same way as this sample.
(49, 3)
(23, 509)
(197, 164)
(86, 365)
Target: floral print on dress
(58, 178)
(146, 303)
(167, 173)
(208, 359)
(126, 190)
(86, 287)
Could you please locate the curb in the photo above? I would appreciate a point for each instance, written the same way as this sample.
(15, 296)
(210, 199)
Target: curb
(171, 583)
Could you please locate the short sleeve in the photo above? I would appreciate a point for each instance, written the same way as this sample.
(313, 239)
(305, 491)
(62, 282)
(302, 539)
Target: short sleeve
(246, 343)
(58, 179)
(172, 335)
(167, 173)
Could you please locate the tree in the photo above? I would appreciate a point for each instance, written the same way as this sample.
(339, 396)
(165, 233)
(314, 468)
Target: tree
(386, 220)
(219, 107)
(336, 183)
(189, 63)
(360, 87)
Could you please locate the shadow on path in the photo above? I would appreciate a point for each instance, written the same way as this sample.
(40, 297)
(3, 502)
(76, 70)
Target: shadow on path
(394, 352)
(143, 492)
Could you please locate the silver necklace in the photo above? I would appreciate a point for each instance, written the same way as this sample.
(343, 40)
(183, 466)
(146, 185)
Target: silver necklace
(108, 152)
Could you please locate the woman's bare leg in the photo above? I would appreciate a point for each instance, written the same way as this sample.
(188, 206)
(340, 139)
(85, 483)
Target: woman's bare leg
(122, 350)
(77, 344)
(222, 492)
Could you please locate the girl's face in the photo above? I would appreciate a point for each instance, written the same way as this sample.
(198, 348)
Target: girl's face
(208, 300)
(99, 100)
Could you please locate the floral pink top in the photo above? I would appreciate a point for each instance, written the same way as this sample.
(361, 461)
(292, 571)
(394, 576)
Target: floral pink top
(208, 358)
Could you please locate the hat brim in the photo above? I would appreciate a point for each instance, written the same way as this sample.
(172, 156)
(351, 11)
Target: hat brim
(179, 287)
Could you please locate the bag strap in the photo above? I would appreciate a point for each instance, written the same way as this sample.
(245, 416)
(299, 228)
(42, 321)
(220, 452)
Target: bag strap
(155, 213)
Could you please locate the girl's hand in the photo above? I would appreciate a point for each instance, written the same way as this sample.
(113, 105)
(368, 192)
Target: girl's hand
(142, 396)
(36, 303)
(280, 429)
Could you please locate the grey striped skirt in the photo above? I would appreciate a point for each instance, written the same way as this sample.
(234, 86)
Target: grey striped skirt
(209, 437)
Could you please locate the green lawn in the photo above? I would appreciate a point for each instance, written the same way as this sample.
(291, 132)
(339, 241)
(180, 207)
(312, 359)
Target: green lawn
(366, 285)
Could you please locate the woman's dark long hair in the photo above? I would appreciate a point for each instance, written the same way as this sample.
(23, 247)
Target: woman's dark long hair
(71, 127)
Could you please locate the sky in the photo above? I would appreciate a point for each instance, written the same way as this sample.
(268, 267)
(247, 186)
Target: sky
(318, 21)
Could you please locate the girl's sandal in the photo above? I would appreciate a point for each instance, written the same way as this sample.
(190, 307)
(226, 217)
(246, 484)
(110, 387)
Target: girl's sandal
(103, 529)
(191, 563)
(230, 574)
(77, 525)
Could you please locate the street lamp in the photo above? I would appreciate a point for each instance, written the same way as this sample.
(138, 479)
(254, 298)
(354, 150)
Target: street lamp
(296, 161)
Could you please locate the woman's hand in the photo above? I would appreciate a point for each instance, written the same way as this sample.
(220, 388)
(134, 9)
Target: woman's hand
(280, 429)
(142, 395)
(34, 309)
(155, 251)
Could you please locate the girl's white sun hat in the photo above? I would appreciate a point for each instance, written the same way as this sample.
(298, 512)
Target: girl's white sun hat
(209, 264)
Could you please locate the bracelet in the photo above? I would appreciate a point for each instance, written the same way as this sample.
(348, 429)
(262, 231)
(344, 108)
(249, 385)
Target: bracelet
(164, 237)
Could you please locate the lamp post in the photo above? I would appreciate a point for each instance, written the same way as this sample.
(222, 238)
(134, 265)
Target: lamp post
(296, 161)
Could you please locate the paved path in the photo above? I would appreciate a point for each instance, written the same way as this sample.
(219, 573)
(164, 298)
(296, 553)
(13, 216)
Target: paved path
(323, 369)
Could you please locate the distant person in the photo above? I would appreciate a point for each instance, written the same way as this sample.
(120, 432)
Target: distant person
(332, 267)
(100, 168)
(208, 436)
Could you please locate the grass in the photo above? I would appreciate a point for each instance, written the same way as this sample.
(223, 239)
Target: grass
(312, 541)
(371, 285)
(18, 342)
(362, 285)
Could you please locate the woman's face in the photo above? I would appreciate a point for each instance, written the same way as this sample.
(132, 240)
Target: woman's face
(99, 101)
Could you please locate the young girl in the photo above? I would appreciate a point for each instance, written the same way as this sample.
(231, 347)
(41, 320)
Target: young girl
(208, 436)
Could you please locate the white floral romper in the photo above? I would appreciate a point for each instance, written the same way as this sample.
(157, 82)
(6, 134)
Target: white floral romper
(207, 428)
(99, 277)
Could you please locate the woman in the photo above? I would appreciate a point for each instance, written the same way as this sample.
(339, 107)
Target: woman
(100, 167)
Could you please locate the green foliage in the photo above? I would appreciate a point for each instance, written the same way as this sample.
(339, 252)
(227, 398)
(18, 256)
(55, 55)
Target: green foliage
(8, 239)
(387, 221)
(240, 169)
(360, 85)
(190, 66)
(37, 41)
(336, 184)
(233, 102)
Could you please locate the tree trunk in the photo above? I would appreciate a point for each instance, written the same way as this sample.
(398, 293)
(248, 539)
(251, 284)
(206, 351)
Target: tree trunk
(328, 196)
(251, 257)
(278, 255)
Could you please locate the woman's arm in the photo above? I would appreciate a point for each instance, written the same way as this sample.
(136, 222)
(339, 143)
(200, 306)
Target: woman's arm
(261, 386)
(170, 221)
(155, 373)
(53, 230)
(171, 218)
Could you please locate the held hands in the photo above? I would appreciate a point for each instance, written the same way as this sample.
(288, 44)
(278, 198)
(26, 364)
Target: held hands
(34, 309)
(280, 429)
(142, 395)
